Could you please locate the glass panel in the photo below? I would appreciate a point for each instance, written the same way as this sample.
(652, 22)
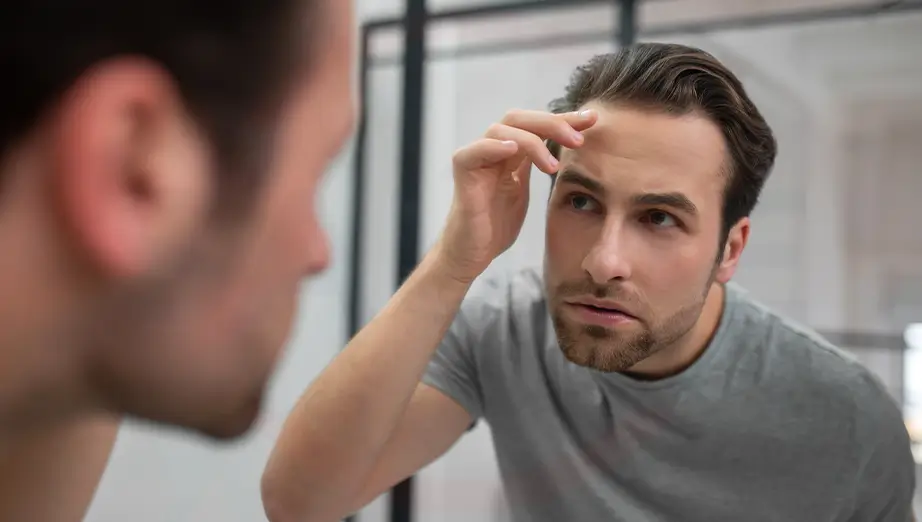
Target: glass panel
(386, 46)
(660, 15)
(382, 177)
(380, 238)
(547, 28)
(441, 5)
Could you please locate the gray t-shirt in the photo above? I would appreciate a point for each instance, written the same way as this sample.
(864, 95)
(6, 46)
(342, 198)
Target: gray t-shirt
(771, 423)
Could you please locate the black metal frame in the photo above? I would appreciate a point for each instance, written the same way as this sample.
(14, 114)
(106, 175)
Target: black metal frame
(415, 22)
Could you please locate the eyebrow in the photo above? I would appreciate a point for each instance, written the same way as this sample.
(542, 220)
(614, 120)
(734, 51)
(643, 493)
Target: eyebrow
(575, 178)
(674, 200)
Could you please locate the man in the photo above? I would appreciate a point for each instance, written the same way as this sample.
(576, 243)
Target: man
(631, 380)
(160, 165)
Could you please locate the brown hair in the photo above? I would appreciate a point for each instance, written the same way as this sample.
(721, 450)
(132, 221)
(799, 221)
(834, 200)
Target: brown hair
(678, 79)
(231, 60)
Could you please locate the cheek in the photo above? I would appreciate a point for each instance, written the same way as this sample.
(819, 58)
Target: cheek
(246, 315)
(261, 262)
(558, 255)
(295, 234)
(569, 238)
(304, 155)
(678, 269)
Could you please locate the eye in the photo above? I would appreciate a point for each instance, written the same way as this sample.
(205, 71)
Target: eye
(660, 219)
(582, 203)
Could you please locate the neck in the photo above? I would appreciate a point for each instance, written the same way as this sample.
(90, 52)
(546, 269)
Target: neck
(38, 375)
(40, 367)
(677, 357)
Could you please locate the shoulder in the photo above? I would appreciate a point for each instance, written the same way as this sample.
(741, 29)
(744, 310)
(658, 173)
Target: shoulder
(504, 306)
(814, 367)
(505, 294)
(841, 399)
(791, 344)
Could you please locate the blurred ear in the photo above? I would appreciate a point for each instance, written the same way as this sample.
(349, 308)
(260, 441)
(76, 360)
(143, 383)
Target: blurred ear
(733, 250)
(130, 172)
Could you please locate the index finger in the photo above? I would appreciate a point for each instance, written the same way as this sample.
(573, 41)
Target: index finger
(565, 128)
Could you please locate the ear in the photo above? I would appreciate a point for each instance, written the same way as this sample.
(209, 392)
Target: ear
(129, 172)
(733, 250)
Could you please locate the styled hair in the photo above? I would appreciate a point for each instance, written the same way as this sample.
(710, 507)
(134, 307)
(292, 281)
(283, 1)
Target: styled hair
(678, 79)
(230, 61)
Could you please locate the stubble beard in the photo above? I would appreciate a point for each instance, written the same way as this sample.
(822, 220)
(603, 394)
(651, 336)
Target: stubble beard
(609, 350)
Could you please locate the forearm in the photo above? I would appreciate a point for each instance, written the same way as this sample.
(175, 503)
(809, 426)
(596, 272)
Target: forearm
(335, 434)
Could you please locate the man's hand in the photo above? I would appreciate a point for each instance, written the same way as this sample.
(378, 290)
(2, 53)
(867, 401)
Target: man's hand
(491, 179)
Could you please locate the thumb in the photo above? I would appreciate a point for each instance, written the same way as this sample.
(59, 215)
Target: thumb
(484, 153)
(522, 175)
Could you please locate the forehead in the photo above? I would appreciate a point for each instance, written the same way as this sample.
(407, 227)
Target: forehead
(631, 151)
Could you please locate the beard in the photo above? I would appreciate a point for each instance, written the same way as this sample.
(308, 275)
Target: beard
(185, 347)
(611, 350)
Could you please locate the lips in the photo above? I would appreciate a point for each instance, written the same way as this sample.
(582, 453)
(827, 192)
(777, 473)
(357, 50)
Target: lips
(600, 313)
(603, 310)
(600, 306)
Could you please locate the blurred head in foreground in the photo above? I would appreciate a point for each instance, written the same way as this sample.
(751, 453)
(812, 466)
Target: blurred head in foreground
(160, 166)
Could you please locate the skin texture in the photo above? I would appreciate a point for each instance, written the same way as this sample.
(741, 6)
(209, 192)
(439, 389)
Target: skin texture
(635, 219)
(126, 295)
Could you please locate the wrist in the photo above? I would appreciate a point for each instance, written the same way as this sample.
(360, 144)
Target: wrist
(438, 268)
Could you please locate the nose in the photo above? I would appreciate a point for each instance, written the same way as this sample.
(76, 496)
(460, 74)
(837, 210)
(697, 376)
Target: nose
(607, 260)
(318, 251)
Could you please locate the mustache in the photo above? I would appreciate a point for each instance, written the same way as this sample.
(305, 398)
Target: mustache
(615, 292)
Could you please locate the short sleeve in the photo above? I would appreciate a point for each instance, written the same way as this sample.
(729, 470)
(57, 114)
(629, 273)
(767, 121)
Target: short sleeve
(887, 478)
(453, 368)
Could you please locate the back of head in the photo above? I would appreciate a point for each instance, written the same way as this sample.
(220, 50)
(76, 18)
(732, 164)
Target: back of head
(678, 79)
(162, 158)
(230, 59)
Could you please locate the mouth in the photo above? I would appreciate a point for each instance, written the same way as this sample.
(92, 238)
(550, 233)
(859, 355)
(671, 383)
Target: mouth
(600, 313)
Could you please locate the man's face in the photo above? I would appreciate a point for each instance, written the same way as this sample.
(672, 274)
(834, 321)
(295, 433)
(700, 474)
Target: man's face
(195, 336)
(633, 233)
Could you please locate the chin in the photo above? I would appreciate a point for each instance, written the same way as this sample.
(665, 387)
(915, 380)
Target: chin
(596, 360)
(233, 424)
(610, 355)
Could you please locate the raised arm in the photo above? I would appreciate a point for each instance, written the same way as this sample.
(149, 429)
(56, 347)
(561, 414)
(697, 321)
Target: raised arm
(325, 458)
(367, 422)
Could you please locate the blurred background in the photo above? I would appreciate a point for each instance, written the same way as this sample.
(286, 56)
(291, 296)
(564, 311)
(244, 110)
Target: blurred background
(836, 241)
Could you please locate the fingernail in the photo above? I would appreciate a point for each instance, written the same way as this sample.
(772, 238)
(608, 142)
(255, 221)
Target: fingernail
(553, 161)
(586, 114)
(578, 137)
(509, 143)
